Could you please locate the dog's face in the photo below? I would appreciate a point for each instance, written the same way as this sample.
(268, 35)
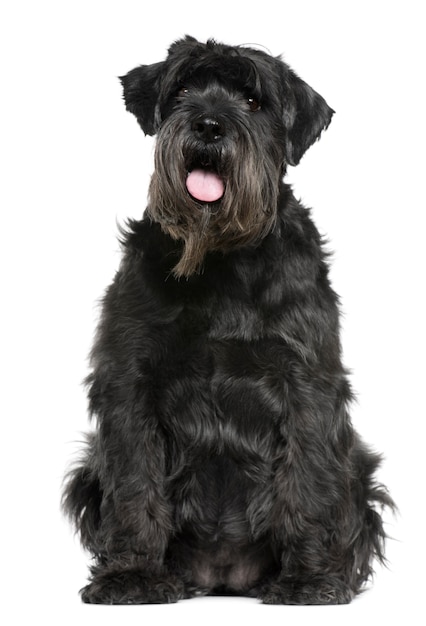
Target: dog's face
(228, 121)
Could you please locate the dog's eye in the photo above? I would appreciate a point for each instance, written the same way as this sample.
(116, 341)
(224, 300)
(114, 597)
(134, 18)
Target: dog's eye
(253, 104)
(183, 91)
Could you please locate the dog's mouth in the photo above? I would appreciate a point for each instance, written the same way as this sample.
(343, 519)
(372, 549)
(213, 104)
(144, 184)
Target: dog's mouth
(204, 184)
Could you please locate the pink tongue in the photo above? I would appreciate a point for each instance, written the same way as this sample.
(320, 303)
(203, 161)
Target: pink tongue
(205, 185)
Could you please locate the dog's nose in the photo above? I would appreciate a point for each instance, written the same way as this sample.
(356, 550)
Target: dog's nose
(208, 129)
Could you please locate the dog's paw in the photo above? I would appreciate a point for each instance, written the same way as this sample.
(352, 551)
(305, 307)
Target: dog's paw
(132, 587)
(321, 591)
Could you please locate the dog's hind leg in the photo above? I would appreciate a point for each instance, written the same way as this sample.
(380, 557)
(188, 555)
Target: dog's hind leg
(81, 502)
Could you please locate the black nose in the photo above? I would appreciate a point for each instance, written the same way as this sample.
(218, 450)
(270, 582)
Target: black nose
(208, 129)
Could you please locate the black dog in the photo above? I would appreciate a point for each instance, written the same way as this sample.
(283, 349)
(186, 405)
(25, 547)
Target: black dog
(224, 460)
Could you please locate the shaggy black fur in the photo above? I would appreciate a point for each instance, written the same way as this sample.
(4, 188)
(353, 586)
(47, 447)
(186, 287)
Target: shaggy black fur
(224, 459)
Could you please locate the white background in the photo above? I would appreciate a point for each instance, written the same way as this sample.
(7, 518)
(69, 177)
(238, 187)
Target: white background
(73, 162)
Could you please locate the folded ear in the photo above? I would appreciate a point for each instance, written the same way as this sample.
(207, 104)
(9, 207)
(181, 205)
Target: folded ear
(306, 115)
(141, 90)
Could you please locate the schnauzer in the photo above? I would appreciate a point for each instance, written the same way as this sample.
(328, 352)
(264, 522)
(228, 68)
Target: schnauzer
(224, 460)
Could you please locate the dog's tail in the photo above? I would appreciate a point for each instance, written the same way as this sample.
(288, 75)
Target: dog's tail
(370, 538)
(82, 497)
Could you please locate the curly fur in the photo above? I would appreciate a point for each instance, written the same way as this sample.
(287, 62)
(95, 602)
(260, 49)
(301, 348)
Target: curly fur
(224, 459)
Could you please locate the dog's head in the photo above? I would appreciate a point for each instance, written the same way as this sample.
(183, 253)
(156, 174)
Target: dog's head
(228, 120)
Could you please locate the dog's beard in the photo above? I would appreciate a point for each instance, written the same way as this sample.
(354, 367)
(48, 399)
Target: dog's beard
(245, 213)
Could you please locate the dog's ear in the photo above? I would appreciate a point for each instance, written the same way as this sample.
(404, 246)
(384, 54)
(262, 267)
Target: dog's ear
(141, 91)
(306, 115)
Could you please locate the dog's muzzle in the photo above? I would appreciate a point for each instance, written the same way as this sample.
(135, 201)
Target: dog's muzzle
(204, 183)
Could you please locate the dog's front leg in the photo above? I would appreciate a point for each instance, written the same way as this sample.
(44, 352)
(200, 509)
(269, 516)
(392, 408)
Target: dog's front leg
(314, 512)
(134, 515)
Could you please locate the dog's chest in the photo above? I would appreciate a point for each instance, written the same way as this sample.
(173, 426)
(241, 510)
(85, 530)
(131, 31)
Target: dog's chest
(222, 396)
